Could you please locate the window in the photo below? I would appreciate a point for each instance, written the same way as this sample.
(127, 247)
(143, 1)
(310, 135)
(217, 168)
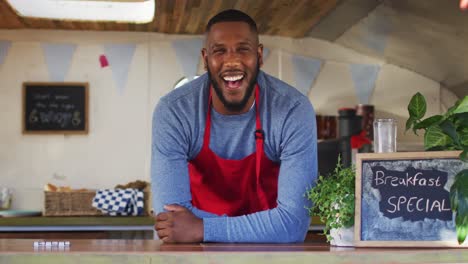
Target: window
(183, 81)
(132, 11)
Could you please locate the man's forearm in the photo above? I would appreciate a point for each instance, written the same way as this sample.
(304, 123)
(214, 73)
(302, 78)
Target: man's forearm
(271, 226)
(198, 212)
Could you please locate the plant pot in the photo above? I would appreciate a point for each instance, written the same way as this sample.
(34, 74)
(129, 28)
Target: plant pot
(342, 237)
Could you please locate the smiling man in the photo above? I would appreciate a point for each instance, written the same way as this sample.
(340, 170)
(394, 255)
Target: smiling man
(234, 150)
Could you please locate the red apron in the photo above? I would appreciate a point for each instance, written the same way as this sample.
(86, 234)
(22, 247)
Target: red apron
(233, 187)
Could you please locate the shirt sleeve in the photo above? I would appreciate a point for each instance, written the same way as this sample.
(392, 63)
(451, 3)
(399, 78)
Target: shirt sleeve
(169, 161)
(289, 221)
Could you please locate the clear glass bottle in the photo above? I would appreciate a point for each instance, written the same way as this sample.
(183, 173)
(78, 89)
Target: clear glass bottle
(385, 135)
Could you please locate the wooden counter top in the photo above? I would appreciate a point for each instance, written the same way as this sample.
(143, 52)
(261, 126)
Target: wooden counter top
(151, 251)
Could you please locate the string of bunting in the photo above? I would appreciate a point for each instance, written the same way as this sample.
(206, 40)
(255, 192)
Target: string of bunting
(59, 57)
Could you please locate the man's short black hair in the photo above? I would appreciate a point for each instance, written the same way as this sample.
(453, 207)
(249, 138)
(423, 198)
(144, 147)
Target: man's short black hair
(232, 15)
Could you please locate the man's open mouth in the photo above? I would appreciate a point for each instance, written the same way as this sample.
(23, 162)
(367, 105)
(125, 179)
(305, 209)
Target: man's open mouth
(233, 81)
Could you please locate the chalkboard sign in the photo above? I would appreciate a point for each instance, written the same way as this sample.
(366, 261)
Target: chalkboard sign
(402, 199)
(55, 108)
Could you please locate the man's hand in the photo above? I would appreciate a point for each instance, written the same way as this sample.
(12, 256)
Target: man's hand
(179, 225)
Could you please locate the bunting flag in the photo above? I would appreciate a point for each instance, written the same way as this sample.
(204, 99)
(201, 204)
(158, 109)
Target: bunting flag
(58, 58)
(119, 57)
(266, 52)
(4, 47)
(377, 31)
(188, 53)
(305, 70)
(364, 77)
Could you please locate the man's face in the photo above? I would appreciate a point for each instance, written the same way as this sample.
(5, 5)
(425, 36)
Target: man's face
(232, 57)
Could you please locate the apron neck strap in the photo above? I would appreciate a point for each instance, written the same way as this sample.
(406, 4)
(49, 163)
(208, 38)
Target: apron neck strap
(259, 134)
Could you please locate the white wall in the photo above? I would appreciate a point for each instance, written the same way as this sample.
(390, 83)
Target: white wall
(117, 147)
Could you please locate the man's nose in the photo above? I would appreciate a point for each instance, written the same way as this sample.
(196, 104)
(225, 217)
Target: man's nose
(232, 58)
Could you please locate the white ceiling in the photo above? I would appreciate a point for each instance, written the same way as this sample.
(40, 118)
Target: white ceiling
(429, 37)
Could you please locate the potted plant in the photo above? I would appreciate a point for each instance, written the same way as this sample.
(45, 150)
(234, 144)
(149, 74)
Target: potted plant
(448, 131)
(333, 202)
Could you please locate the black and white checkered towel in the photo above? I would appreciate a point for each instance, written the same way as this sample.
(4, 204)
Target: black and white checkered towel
(119, 201)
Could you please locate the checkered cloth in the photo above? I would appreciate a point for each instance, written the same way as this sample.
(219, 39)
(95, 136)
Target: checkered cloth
(118, 202)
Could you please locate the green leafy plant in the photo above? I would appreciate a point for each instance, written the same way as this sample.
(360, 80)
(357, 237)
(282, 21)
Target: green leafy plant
(446, 132)
(333, 198)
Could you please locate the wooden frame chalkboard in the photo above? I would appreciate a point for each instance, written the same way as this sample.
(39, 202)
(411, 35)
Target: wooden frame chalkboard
(55, 108)
(402, 199)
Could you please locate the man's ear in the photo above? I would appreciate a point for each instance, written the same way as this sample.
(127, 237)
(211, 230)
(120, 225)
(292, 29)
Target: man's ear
(203, 54)
(260, 55)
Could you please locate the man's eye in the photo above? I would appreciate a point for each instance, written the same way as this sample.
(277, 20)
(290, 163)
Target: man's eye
(244, 49)
(218, 51)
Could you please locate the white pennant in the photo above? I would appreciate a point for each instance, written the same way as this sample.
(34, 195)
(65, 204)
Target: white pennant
(119, 57)
(364, 77)
(4, 47)
(306, 70)
(58, 58)
(266, 52)
(188, 53)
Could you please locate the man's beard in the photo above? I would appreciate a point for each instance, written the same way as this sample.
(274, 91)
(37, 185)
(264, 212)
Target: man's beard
(235, 106)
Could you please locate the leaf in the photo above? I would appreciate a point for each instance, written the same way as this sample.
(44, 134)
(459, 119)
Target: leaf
(464, 140)
(452, 108)
(461, 122)
(464, 155)
(448, 128)
(462, 107)
(435, 137)
(409, 123)
(459, 204)
(461, 234)
(417, 106)
(430, 121)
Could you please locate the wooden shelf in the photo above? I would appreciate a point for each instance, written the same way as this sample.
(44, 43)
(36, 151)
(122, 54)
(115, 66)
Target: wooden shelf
(77, 221)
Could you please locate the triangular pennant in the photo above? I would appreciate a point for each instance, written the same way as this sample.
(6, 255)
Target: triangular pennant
(58, 58)
(4, 47)
(119, 57)
(378, 29)
(188, 54)
(364, 77)
(266, 52)
(306, 70)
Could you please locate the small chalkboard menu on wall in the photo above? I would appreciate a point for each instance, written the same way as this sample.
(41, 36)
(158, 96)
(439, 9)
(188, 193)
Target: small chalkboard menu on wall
(402, 199)
(60, 108)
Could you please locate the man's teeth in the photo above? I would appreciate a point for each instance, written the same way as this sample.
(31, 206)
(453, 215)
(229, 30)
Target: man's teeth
(233, 78)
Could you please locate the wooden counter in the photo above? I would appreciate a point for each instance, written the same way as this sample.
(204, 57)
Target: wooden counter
(86, 227)
(151, 251)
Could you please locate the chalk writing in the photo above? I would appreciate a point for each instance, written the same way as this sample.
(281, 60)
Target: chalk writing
(55, 107)
(412, 194)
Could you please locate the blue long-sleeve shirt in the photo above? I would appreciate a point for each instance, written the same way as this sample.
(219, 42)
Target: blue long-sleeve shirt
(288, 121)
